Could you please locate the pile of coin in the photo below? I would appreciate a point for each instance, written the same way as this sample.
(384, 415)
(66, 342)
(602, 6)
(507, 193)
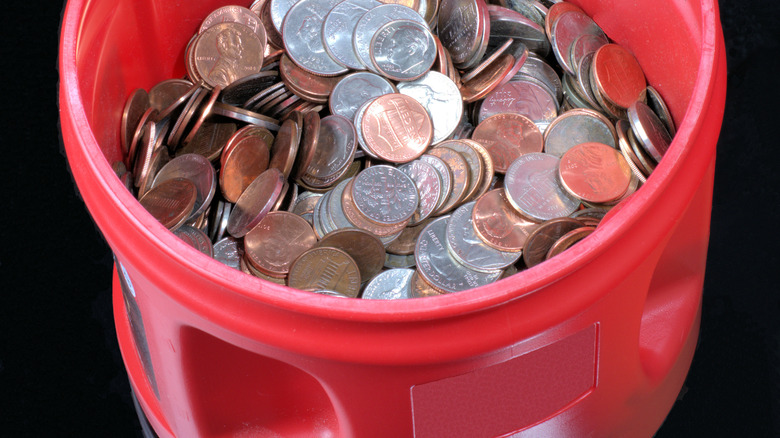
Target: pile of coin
(386, 151)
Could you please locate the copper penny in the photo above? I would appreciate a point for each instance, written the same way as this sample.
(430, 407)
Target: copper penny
(396, 128)
(658, 105)
(249, 130)
(308, 146)
(135, 107)
(226, 52)
(235, 14)
(150, 115)
(507, 136)
(498, 224)
(285, 147)
(544, 237)
(556, 11)
(255, 202)
(459, 169)
(210, 140)
(166, 92)
(309, 87)
(325, 268)
(195, 238)
(365, 248)
(205, 111)
(244, 162)
(594, 172)
(490, 78)
(567, 240)
(474, 161)
(404, 244)
(170, 202)
(276, 241)
(421, 288)
(360, 221)
(618, 75)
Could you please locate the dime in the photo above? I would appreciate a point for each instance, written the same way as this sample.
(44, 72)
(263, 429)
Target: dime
(649, 130)
(578, 126)
(336, 145)
(325, 268)
(301, 31)
(498, 224)
(226, 52)
(466, 247)
(618, 76)
(337, 32)
(594, 173)
(255, 202)
(371, 21)
(244, 162)
(542, 239)
(567, 240)
(355, 89)
(441, 99)
(359, 220)
(396, 128)
(507, 136)
(532, 187)
(171, 202)
(228, 252)
(385, 195)
(333, 211)
(365, 249)
(195, 238)
(402, 50)
(393, 284)
(446, 178)
(197, 169)
(428, 183)
(438, 268)
(276, 241)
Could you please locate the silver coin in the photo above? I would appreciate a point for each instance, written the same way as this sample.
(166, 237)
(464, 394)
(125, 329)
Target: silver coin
(654, 101)
(335, 148)
(506, 23)
(228, 252)
(445, 173)
(195, 238)
(403, 50)
(530, 9)
(532, 187)
(253, 118)
(575, 127)
(583, 80)
(335, 208)
(649, 130)
(301, 32)
(330, 293)
(428, 183)
(338, 28)
(197, 169)
(278, 10)
(358, 122)
(385, 195)
(328, 225)
(304, 203)
(316, 218)
(371, 21)
(583, 45)
(567, 28)
(469, 249)
(437, 266)
(459, 28)
(575, 95)
(355, 89)
(220, 228)
(525, 97)
(396, 261)
(393, 284)
(441, 98)
(536, 68)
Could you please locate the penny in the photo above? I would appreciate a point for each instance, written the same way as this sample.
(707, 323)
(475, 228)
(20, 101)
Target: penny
(240, 90)
(498, 224)
(166, 92)
(578, 126)
(226, 52)
(150, 115)
(404, 244)
(657, 104)
(567, 240)
(228, 252)
(205, 111)
(301, 32)
(355, 89)
(245, 116)
(308, 145)
(489, 79)
(461, 177)
(506, 137)
(261, 134)
(235, 14)
(336, 145)
(244, 162)
(649, 130)
(183, 120)
(337, 31)
(618, 75)
(395, 261)
(535, 68)
(460, 27)
(385, 195)
(255, 202)
(209, 140)
(312, 88)
(371, 21)
(469, 249)
(135, 107)
(149, 139)
(429, 10)
(359, 220)
(396, 128)
(151, 167)
(285, 147)
(489, 58)
(195, 238)
(473, 160)
(567, 28)
(421, 288)
(393, 284)
(171, 202)
(428, 183)
(197, 169)
(532, 187)
(594, 172)
(264, 95)
(506, 23)
(305, 203)
(544, 237)
(437, 266)
(525, 97)
(402, 50)
(325, 268)
(441, 99)
(276, 241)
(585, 45)
(583, 81)
(554, 12)
(366, 249)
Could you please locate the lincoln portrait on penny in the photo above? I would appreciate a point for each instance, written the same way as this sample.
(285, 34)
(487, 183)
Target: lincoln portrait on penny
(229, 47)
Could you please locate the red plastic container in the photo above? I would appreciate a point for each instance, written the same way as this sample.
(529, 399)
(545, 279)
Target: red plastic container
(595, 342)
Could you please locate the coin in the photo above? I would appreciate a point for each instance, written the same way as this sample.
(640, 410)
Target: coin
(438, 268)
(535, 68)
(594, 173)
(396, 128)
(255, 202)
(205, 111)
(366, 249)
(209, 141)
(336, 145)
(498, 224)
(135, 107)
(393, 284)
(428, 183)
(633, 161)
(355, 89)
(489, 79)
(554, 12)
(567, 28)
(276, 241)
(446, 178)
(195, 238)
(150, 115)
(460, 174)
(325, 268)
(404, 244)
(532, 187)
(359, 220)
(469, 249)
(649, 130)
(488, 170)
(578, 126)
(171, 202)
(245, 116)
(285, 147)
(657, 104)
(197, 169)
(395, 261)
(371, 21)
(240, 90)
(235, 14)
(226, 52)
(312, 88)
(618, 75)
(474, 162)
(441, 99)
(337, 31)
(421, 288)
(524, 97)
(584, 45)
(402, 50)
(460, 27)
(542, 239)
(385, 195)
(507, 136)
(166, 92)
(245, 162)
(301, 32)
(506, 23)
(228, 252)
(567, 240)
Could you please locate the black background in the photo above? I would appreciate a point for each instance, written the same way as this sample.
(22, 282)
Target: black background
(60, 369)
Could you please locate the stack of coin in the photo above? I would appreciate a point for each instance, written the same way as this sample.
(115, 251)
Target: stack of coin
(344, 147)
